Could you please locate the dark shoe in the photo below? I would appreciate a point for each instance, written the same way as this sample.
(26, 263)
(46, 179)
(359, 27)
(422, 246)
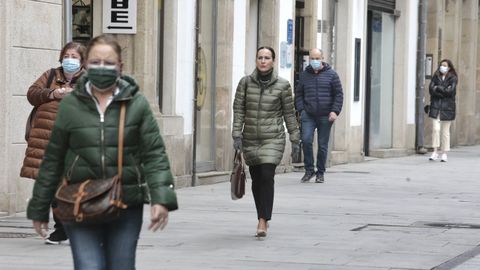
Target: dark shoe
(307, 177)
(319, 178)
(56, 237)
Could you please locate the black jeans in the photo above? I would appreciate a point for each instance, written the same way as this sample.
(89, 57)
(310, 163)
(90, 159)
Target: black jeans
(263, 188)
(58, 224)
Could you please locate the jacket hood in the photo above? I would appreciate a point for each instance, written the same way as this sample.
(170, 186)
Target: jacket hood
(128, 87)
(326, 67)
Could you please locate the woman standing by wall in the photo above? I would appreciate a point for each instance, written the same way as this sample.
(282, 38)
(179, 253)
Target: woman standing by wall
(263, 102)
(45, 94)
(443, 88)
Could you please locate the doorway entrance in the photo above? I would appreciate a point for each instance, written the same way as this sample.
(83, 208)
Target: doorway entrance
(379, 83)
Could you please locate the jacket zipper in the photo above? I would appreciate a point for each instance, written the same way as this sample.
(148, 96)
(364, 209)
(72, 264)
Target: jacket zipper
(102, 136)
(70, 170)
(258, 115)
(102, 139)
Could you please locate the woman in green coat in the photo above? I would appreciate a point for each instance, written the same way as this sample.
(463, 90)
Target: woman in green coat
(84, 145)
(263, 103)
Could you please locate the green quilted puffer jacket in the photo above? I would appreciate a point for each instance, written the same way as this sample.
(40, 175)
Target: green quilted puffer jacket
(85, 146)
(258, 118)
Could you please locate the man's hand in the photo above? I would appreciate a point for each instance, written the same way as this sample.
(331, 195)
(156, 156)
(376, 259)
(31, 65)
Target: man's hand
(158, 217)
(41, 228)
(332, 117)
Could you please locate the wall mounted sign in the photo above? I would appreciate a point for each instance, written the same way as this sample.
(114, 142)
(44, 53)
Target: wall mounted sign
(428, 66)
(289, 31)
(120, 16)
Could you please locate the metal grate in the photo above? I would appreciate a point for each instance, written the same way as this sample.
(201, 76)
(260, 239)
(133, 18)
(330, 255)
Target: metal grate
(382, 5)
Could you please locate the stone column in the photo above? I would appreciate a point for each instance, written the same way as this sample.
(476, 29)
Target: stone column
(268, 24)
(224, 94)
(477, 87)
(465, 125)
(26, 33)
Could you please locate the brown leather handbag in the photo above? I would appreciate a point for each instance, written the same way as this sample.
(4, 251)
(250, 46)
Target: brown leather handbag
(93, 201)
(238, 177)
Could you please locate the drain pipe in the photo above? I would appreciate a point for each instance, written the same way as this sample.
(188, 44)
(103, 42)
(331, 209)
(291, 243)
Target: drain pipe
(420, 81)
(67, 22)
(194, 103)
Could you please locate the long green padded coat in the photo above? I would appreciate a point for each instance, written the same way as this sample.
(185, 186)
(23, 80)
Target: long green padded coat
(85, 147)
(258, 118)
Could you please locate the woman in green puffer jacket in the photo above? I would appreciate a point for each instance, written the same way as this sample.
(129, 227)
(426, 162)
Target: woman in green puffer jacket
(84, 145)
(263, 102)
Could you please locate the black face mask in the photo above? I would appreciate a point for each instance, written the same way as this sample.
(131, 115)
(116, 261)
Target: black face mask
(102, 77)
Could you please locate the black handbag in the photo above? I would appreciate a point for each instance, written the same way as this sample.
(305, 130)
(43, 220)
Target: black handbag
(93, 201)
(426, 109)
(238, 177)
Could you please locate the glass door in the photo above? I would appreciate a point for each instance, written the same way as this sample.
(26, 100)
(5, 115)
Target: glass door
(379, 105)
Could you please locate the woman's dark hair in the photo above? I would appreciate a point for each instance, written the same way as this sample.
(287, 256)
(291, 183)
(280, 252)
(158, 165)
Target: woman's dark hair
(73, 45)
(268, 48)
(450, 66)
(108, 40)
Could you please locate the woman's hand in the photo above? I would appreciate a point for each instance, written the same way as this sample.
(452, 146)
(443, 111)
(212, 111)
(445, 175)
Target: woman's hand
(158, 217)
(60, 93)
(41, 228)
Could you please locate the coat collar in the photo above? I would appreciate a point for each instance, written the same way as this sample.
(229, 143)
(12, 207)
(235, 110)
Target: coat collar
(274, 79)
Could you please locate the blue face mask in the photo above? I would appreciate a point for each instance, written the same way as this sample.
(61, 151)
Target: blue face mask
(71, 65)
(316, 64)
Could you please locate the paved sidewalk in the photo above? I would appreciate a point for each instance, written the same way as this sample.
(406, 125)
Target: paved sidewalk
(397, 213)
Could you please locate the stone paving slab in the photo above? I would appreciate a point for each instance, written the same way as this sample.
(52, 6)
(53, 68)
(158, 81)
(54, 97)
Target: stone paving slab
(366, 216)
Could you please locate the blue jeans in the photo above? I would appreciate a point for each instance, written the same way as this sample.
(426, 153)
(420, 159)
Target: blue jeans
(108, 246)
(323, 126)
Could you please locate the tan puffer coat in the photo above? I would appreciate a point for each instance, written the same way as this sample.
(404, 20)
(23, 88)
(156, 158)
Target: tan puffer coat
(42, 123)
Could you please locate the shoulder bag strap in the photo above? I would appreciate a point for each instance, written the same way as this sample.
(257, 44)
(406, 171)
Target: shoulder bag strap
(51, 75)
(121, 128)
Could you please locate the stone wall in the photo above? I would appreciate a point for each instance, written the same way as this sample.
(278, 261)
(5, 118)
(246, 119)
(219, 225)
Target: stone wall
(30, 42)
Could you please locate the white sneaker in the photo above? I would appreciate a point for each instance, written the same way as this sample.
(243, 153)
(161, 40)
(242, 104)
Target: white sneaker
(434, 156)
(444, 157)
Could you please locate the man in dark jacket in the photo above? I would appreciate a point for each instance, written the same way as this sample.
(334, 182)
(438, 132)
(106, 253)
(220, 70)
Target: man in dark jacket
(319, 100)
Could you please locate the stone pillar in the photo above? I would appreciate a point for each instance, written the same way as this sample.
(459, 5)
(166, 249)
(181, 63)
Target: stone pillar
(26, 33)
(477, 87)
(4, 191)
(268, 24)
(465, 125)
(224, 93)
(343, 66)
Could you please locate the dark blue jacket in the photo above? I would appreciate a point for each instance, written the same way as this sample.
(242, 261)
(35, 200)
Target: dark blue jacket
(319, 94)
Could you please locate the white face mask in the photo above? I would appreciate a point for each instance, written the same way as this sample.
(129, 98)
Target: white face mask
(443, 69)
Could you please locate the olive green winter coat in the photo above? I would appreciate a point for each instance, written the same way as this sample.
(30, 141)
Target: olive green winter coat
(85, 147)
(258, 118)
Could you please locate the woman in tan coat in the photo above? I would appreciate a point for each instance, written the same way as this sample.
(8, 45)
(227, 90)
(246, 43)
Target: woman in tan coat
(45, 95)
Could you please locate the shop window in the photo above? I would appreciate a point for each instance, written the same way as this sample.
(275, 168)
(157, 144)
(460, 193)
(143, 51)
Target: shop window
(82, 21)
